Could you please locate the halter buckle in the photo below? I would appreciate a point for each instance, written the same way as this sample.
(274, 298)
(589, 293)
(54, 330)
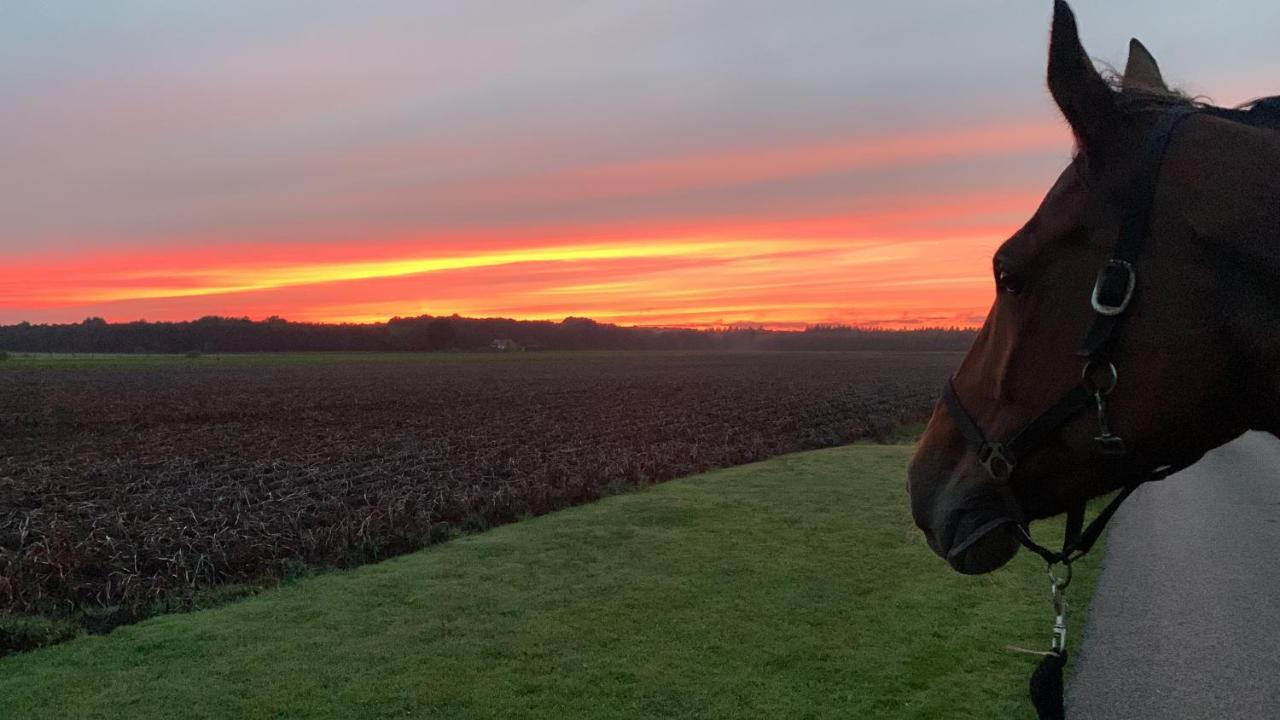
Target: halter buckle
(1114, 287)
(997, 460)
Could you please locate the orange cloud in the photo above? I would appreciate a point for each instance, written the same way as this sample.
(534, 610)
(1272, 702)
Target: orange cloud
(901, 259)
(863, 268)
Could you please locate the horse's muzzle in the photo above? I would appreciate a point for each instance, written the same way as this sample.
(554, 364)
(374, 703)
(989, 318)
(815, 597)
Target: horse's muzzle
(966, 521)
(975, 535)
(980, 543)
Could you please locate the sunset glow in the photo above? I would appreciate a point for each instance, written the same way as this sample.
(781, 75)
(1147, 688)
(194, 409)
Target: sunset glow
(867, 269)
(639, 166)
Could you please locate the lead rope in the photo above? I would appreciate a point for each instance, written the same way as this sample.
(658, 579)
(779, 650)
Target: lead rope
(1046, 685)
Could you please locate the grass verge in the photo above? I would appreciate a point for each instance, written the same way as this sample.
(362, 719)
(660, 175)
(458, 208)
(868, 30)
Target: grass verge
(797, 587)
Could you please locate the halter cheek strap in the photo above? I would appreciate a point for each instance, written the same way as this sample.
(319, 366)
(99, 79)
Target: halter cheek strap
(1117, 280)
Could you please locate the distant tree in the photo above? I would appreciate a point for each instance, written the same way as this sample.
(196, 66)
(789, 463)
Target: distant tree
(441, 334)
(426, 333)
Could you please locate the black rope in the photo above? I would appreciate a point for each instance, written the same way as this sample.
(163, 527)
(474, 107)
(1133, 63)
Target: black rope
(1046, 687)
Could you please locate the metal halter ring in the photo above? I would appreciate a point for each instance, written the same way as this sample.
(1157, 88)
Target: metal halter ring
(1089, 378)
(1060, 583)
(997, 461)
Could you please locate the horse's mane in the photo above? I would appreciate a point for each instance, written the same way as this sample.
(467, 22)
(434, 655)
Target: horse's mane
(1262, 112)
(1259, 112)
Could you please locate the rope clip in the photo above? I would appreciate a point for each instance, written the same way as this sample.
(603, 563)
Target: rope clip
(1058, 592)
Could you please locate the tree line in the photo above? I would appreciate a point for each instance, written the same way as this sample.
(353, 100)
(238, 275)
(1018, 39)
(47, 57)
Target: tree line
(432, 334)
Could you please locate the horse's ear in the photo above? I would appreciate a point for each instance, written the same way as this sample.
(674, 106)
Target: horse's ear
(1141, 72)
(1086, 100)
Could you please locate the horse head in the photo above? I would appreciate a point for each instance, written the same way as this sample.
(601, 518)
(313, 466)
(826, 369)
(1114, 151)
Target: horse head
(1183, 382)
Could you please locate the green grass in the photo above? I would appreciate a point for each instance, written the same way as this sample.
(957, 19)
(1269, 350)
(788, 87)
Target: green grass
(792, 588)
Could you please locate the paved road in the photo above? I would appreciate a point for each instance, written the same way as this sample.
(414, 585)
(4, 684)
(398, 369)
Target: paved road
(1186, 619)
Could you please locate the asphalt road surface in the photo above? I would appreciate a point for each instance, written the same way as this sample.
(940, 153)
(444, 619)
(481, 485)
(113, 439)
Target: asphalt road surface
(1185, 622)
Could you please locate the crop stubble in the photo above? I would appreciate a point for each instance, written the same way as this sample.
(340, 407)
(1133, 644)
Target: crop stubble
(122, 486)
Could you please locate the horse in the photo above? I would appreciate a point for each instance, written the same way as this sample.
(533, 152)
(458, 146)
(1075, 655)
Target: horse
(1133, 323)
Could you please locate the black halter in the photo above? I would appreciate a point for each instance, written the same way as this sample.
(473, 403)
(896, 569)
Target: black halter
(1112, 293)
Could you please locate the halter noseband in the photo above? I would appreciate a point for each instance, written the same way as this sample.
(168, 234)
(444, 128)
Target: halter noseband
(1112, 292)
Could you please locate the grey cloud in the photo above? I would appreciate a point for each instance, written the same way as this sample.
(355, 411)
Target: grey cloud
(126, 122)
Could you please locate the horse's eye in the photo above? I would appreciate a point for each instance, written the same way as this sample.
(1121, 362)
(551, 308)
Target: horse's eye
(1005, 281)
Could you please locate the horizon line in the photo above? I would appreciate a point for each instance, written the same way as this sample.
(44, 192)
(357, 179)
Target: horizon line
(784, 327)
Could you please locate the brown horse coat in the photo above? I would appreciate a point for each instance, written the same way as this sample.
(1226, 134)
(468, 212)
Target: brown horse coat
(1198, 351)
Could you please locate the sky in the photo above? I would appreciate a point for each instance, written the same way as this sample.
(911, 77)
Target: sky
(695, 163)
